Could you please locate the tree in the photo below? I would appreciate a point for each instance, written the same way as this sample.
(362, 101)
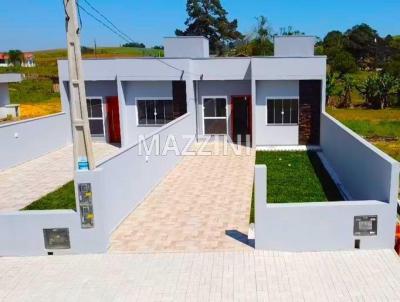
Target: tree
(361, 41)
(15, 56)
(290, 31)
(262, 38)
(209, 19)
(257, 43)
(342, 62)
(368, 89)
(331, 87)
(134, 44)
(345, 91)
(333, 40)
(377, 88)
(386, 86)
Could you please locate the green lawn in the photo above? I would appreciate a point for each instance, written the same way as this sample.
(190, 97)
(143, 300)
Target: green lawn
(295, 177)
(63, 198)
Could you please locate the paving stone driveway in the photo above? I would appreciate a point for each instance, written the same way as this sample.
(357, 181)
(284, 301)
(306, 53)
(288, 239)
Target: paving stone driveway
(211, 276)
(25, 183)
(203, 204)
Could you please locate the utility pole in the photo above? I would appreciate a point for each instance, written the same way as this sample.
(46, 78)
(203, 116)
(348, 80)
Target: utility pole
(83, 153)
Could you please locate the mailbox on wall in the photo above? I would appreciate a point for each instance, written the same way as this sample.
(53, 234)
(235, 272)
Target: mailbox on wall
(86, 205)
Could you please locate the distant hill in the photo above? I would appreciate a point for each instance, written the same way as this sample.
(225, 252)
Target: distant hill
(46, 60)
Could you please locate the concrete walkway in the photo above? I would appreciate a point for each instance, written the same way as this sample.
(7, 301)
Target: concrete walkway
(25, 183)
(214, 276)
(202, 205)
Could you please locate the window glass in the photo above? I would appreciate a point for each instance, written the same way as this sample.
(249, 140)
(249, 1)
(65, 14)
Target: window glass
(150, 112)
(141, 108)
(215, 126)
(96, 127)
(271, 111)
(169, 111)
(294, 111)
(96, 110)
(155, 112)
(209, 107)
(282, 111)
(160, 112)
(220, 107)
(286, 111)
(278, 112)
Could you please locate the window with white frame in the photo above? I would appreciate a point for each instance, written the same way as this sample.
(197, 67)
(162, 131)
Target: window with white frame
(96, 116)
(154, 111)
(282, 111)
(215, 118)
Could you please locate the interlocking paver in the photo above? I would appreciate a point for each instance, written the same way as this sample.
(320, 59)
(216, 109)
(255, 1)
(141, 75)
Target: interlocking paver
(203, 204)
(247, 275)
(25, 183)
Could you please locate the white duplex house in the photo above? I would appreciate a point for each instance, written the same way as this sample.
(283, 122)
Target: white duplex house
(275, 100)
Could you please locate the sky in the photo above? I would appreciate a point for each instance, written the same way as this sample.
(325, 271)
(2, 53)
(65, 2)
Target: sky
(39, 24)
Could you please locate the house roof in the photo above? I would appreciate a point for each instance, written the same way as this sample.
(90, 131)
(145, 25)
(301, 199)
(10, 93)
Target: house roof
(10, 78)
(4, 56)
(28, 55)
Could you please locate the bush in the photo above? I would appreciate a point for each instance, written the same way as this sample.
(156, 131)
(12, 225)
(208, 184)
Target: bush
(134, 44)
(342, 62)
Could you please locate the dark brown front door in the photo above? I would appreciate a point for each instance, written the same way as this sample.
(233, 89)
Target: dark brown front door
(114, 129)
(241, 118)
(309, 111)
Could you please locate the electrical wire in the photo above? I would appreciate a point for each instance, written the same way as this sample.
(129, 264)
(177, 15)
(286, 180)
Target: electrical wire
(123, 36)
(102, 23)
(108, 20)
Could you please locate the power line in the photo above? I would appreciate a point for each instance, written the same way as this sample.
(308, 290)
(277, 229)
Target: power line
(102, 23)
(108, 20)
(125, 37)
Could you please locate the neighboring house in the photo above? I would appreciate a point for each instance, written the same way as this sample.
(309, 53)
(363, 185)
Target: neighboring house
(275, 100)
(28, 60)
(7, 109)
(4, 60)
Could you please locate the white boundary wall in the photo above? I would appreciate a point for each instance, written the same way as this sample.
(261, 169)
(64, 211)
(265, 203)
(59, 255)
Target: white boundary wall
(367, 174)
(123, 181)
(28, 139)
(119, 184)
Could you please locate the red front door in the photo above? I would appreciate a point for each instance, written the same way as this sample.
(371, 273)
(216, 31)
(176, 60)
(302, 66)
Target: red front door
(114, 130)
(241, 118)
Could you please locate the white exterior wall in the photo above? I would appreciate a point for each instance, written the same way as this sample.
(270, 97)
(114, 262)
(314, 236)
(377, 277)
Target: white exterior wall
(145, 90)
(119, 184)
(274, 134)
(186, 47)
(28, 139)
(220, 89)
(294, 46)
(371, 180)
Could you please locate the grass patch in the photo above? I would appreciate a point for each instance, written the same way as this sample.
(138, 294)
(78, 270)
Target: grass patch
(32, 91)
(296, 177)
(383, 128)
(62, 198)
(31, 110)
(375, 126)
